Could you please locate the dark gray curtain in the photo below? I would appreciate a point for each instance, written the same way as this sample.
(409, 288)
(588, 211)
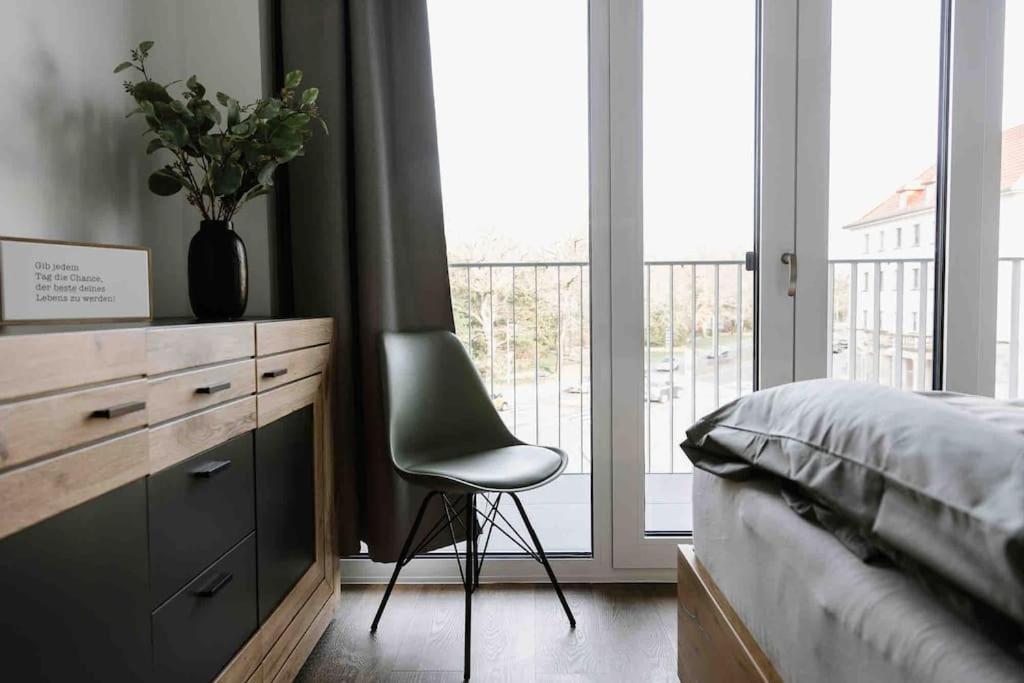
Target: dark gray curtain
(363, 210)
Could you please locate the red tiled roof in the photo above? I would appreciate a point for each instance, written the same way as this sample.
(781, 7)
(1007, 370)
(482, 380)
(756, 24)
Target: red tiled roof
(918, 194)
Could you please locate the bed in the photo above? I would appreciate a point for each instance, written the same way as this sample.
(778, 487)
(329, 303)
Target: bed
(766, 594)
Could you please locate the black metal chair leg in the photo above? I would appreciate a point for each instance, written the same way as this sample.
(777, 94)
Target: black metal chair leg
(544, 559)
(401, 559)
(469, 577)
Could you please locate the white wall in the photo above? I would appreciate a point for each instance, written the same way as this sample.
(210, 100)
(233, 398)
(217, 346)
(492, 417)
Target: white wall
(72, 167)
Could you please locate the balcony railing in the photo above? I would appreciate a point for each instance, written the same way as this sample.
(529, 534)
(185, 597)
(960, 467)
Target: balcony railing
(880, 321)
(527, 326)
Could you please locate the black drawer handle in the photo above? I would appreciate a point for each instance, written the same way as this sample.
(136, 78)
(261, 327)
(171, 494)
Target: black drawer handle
(119, 410)
(276, 373)
(212, 588)
(214, 388)
(208, 469)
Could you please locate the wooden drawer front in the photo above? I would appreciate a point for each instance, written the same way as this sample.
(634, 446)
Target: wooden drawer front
(29, 429)
(36, 492)
(176, 348)
(74, 591)
(272, 371)
(174, 395)
(198, 510)
(37, 363)
(278, 336)
(198, 631)
(180, 439)
(276, 404)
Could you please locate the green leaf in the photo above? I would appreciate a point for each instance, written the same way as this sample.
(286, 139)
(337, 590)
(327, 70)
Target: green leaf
(234, 113)
(242, 129)
(309, 96)
(133, 112)
(266, 174)
(195, 86)
(145, 46)
(150, 91)
(223, 99)
(174, 134)
(255, 192)
(297, 120)
(154, 145)
(292, 79)
(179, 108)
(226, 178)
(122, 66)
(269, 109)
(164, 182)
(210, 145)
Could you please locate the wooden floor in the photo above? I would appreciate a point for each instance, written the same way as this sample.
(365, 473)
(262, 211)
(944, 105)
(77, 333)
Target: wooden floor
(624, 632)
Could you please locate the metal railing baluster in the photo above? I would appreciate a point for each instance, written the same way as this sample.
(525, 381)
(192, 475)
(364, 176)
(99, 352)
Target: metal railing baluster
(897, 352)
(1014, 359)
(671, 367)
(717, 323)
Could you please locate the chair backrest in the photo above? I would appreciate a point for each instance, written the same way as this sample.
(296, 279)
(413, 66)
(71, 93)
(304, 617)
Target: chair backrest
(436, 402)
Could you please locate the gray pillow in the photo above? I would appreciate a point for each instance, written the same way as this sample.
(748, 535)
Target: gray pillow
(929, 475)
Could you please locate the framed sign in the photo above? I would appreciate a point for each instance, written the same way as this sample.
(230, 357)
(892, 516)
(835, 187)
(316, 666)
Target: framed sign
(44, 280)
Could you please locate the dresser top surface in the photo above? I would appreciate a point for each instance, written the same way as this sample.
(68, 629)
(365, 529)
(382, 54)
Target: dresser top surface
(19, 329)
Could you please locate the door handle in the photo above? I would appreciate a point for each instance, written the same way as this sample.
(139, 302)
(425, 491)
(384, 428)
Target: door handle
(789, 258)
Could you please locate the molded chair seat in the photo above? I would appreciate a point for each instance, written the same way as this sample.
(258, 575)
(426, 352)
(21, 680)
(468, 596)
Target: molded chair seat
(511, 468)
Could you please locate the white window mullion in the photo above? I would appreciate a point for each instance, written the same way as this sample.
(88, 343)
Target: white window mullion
(972, 225)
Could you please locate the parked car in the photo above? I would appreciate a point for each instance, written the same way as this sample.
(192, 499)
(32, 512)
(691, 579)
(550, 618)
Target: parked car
(500, 402)
(578, 388)
(839, 346)
(668, 364)
(662, 391)
(722, 354)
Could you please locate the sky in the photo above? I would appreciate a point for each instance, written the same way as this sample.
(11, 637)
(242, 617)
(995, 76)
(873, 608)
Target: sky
(510, 83)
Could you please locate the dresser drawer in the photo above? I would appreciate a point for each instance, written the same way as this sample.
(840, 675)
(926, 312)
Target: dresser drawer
(49, 362)
(36, 427)
(180, 439)
(283, 368)
(198, 509)
(196, 633)
(173, 395)
(189, 346)
(277, 336)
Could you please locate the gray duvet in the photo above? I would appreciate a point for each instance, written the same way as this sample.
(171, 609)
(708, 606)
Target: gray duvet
(937, 478)
(820, 614)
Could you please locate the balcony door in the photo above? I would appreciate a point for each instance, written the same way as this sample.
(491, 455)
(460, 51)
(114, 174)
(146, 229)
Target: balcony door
(703, 113)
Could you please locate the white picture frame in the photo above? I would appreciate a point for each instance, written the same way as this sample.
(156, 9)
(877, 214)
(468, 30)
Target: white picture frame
(70, 282)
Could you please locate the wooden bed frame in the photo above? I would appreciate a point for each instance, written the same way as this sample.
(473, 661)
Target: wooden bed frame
(714, 644)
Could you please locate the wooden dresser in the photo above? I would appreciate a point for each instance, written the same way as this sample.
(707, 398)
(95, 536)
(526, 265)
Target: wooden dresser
(165, 500)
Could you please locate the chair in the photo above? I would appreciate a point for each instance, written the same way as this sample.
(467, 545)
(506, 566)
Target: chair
(446, 436)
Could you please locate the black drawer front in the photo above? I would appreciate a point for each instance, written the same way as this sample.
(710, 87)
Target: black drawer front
(198, 631)
(74, 598)
(198, 509)
(285, 518)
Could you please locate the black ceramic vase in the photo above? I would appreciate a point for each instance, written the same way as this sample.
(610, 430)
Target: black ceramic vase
(218, 275)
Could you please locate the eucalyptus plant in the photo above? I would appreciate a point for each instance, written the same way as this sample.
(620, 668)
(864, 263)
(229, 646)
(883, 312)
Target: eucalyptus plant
(222, 159)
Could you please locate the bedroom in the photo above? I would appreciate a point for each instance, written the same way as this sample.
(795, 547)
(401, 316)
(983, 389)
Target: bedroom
(627, 340)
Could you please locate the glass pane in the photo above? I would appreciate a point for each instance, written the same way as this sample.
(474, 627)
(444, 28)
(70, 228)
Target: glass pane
(512, 125)
(1011, 213)
(882, 190)
(699, 186)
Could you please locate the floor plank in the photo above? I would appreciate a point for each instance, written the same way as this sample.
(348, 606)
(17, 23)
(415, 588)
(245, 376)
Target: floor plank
(624, 632)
